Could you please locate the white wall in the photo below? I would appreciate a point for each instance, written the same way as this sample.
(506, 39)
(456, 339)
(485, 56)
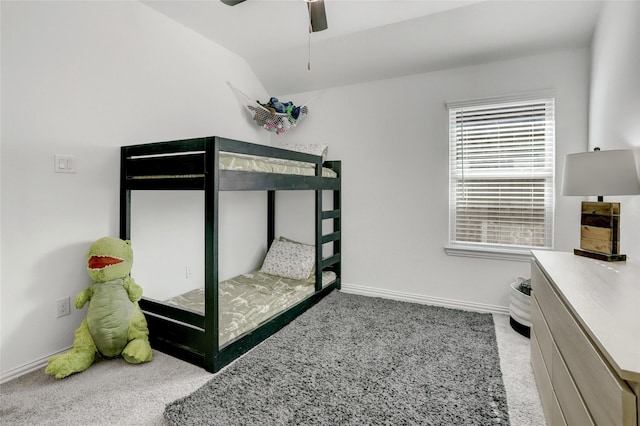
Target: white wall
(614, 112)
(84, 78)
(392, 138)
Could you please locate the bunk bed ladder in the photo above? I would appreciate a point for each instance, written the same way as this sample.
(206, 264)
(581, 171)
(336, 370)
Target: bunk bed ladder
(334, 237)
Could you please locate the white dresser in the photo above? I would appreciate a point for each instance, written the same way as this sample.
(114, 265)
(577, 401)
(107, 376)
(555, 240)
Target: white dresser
(585, 339)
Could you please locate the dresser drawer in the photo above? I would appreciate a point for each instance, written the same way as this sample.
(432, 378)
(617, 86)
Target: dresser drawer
(557, 418)
(609, 399)
(543, 379)
(573, 408)
(553, 378)
(543, 335)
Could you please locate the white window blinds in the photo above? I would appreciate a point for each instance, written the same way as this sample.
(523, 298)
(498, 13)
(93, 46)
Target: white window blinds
(502, 173)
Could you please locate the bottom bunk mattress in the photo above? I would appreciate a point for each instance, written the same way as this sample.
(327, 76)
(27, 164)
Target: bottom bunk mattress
(248, 300)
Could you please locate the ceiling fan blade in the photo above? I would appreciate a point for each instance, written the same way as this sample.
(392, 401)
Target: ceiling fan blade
(231, 2)
(317, 16)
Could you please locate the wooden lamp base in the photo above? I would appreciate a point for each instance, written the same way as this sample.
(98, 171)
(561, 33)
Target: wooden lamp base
(600, 231)
(600, 256)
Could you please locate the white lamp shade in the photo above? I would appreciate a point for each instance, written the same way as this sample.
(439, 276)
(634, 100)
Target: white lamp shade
(600, 173)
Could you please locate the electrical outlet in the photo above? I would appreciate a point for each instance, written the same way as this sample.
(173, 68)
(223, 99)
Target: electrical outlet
(187, 271)
(63, 307)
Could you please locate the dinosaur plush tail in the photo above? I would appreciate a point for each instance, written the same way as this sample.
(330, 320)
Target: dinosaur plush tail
(78, 359)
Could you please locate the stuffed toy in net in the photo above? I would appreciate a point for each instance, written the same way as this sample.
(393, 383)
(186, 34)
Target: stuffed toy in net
(114, 324)
(274, 116)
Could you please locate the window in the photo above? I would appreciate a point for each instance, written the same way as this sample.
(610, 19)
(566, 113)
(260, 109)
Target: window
(501, 174)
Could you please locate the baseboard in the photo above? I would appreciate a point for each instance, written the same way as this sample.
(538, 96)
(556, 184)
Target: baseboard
(40, 363)
(424, 300)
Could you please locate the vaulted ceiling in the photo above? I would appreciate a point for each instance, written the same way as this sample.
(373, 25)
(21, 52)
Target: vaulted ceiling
(377, 39)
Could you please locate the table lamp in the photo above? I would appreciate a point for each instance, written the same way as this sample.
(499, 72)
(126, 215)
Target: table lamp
(600, 173)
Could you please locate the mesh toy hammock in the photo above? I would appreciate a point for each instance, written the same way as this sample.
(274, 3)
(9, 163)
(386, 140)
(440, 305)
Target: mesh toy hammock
(273, 116)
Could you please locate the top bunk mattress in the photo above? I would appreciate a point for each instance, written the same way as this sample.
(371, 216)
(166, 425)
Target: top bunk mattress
(249, 163)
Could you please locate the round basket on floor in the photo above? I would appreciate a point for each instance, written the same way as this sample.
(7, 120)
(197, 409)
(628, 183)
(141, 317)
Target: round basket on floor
(519, 309)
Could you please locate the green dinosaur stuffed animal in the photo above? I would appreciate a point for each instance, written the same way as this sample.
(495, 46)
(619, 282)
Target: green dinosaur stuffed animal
(114, 324)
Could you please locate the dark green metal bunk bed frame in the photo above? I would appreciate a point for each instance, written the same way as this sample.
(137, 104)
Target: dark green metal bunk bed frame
(192, 164)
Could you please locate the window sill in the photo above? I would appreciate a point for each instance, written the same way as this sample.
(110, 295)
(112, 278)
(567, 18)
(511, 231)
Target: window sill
(517, 255)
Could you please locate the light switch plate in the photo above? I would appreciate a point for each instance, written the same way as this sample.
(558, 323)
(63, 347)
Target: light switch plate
(63, 163)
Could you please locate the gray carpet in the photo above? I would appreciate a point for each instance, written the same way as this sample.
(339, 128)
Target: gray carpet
(359, 360)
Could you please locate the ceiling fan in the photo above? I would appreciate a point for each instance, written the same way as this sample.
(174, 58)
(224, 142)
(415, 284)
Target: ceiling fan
(317, 15)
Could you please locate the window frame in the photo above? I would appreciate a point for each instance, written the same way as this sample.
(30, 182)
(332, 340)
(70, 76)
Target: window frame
(497, 250)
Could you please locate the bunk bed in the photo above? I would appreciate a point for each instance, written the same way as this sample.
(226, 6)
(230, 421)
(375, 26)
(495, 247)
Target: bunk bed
(213, 164)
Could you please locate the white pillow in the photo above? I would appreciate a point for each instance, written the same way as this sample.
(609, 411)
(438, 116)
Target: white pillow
(289, 260)
(313, 269)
